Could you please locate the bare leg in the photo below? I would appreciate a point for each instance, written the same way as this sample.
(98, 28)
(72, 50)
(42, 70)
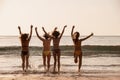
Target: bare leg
(58, 62)
(80, 63)
(54, 55)
(27, 61)
(75, 58)
(48, 61)
(44, 62)
(23, 62)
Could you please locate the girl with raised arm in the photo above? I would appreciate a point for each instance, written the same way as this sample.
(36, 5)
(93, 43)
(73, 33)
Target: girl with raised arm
(46, 49)
(77, 46)
(56, 36)
(25, 39)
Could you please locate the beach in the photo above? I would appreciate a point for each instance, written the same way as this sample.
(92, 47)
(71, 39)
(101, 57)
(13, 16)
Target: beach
(11, 69)
(37, 77)
(82, 35)
(99, 63)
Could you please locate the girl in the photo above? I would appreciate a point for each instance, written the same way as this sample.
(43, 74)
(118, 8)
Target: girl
(25, 39)
(56, 36)
(77, 45)
(46, 50)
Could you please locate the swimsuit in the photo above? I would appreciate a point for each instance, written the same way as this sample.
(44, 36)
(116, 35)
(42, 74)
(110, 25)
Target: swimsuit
(24, 53)
(56, 50)
(46, 53)
(77, 53)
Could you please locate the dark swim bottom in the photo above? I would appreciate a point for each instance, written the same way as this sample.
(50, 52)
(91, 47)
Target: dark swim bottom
(23, 53)
(56, 50)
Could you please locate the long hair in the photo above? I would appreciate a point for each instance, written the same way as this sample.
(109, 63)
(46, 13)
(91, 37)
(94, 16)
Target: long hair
(76, 36)
(56, 34)
(24, 36)
(46, 36)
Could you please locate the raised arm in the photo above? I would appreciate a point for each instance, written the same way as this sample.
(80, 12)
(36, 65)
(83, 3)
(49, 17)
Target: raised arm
(46, 32)
(19, 30)
(72, 31)
(63, 31)
(55, 29)
(87, 37)
(38, 34)
(30, 32)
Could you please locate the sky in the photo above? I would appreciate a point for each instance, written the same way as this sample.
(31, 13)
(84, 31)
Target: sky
(102, 17)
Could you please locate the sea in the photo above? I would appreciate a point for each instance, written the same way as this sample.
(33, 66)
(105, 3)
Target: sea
(97, 63)
(65, 40)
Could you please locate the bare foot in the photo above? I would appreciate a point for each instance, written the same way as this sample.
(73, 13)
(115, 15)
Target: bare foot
(29, 66)
(45, 69)
(58, 72)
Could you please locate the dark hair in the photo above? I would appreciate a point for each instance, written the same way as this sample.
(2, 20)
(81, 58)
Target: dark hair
(24, 36)
(46, 36)
(76, 34)
(56, 34)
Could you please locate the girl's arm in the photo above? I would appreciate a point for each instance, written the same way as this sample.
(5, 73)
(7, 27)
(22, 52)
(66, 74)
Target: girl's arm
(87, 37)
(19, 30)
(63, 31)
(46, 32)
(30, 32)
(38, 35)
(72, 31)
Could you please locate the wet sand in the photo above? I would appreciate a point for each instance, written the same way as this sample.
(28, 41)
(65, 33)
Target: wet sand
(37, 77)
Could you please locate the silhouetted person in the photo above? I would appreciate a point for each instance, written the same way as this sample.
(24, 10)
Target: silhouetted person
(56, 36)
(46, 49)
(25, 39)
(77, 46)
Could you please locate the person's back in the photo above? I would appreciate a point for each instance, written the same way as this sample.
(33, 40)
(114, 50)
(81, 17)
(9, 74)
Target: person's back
(24, 44)
(46, 44)
(77, 46)
(56, 36)
(46, 49)
(25, 39)
(56, 42)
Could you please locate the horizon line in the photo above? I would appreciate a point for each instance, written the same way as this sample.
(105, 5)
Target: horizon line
(63, 35)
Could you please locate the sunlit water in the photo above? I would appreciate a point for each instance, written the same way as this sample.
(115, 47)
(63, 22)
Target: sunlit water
(104, 66)
(65, 40)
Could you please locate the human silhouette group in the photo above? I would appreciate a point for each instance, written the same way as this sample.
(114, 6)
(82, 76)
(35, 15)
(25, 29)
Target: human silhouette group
(46, 53)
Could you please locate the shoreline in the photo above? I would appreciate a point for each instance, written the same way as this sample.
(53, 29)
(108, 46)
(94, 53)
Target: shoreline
(99, 63)
(47, 77)
(92, 66)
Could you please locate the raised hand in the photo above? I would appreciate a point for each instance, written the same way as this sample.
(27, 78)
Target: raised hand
(31, 26)
(65, 26)
(73, 26)
(36, 28)
(92, 34)
(19, 30)
(43, 28)
(18, 27)
(55, 28)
